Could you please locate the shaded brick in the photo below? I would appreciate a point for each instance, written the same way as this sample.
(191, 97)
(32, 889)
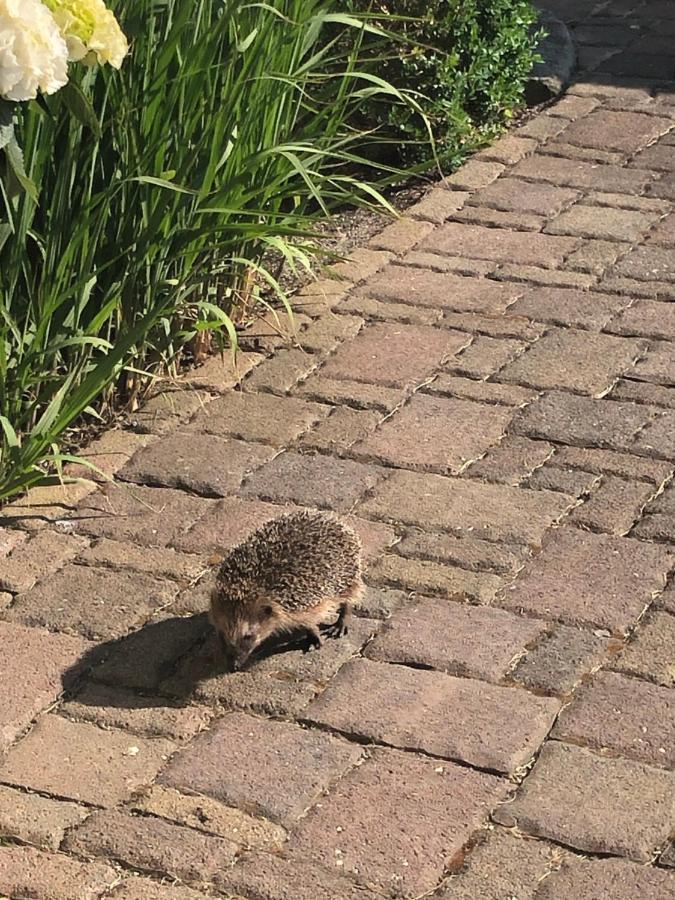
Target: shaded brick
(647, 318)
(437, 205)
(485, 356)
(496, 512)
(457, 239)
(411, 709)
(400, 237)
(649, 653)
(380, 603)
(606, 879)
(437, 433)
(664, 233)
(657, 156)
(579, 174)
(644, 392)
(583, 309)
(203, 463)
(510, 462)
(46, 504)
(226, 524)
(484, 392)
(136, 888)
(142, 515)
(571, 107)
(542, 127)
(509, 149)
(326, 333)
(95, 603)
(266, 877)
(153, 845)
(656, 527)
(83, 762)
(10, 539)
(293, 765)
(648, 263)
(403, 803)
(258, 417)
(161, 414)
(658, 438)
(108, 453)
(361, 264)
(321, 481)
(222, 372)
(36, 820)
(595, 256)
(315, 299)
(393, 355)
(581, 578)
(658, 365)
(573, 360)
(424, 287)
(474, 174)
(42, 555)
(603, 223)
(27, 872)
(622, 131)
(522, 196)
(282, 371)
(154, 716)
(614, 506)
(354, 393)
(595, 804)
(428, 577)
(467, 552)
(388, 311)
(567, 481)
(503, 866)
(33, 665)
(343, 428)
(470, 641)
(558, 663)
(206, 814)
(621, 464)
(570, 419)
(628, 716)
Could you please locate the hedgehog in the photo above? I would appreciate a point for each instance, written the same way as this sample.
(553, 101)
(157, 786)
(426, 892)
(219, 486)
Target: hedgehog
(292, 575)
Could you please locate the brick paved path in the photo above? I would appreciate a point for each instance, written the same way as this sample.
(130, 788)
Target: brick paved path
(489, 398)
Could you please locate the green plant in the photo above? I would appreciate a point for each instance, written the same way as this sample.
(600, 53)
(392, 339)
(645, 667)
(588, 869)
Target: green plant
(156, 194)
(467, 60)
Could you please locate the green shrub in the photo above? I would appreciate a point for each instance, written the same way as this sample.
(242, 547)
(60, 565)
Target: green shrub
(223, 136)
(468, 61)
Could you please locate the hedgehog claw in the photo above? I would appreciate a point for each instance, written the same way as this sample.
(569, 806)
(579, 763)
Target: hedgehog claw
(314, 641)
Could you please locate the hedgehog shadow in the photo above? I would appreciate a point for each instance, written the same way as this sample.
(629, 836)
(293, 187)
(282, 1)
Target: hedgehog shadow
(160, 664)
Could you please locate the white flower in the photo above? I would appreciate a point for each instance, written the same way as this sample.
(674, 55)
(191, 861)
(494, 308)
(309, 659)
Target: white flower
(33, 55)
(91, 31)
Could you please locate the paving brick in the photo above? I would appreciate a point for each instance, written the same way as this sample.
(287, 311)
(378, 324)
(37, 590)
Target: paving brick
(602, 223)
(380, 603)
(495, 512)
(206, 814)
(466, 552)
(584, 175)
(343, 428)
(571, 107)
(631, 287)
(328, 332)
(511, 461)
(581, 578)
(222, 372)
(6, 600)
(293, 765)
(412, 708)
(614, 506)
(664, 233)
(667, 858)
(403, 803)
(648, 263)
(153, 845)
(203, 463)
(258, 417)
(109, 453)
(400, 237)
(436, 433)
(595, 804)
(497, 218)
(559, 662)
(560, 147)
(321, 481)
(266, 877)
(34, 664)
(163, 562)
(226, 524)
(542, 127)
(585, 421)
(544, 277)
(622, 464)
(424, 287)
(649, 653)
(161, 414)
(504, 326)
(27, 872)
(95, 603)
(142, 515)
(621, 131)
(648, 205)
(282, 372)
(657, 156)
(658, 438)
(484, 392)
(628, 716)
(457, 239)
(459, 265)
(573, 360)
(648, 318)
(560, 306)
(36, 820)
(42, 555)
(83, 762)
(503, 866)
(361, 264)
(513, 195)
(46, 505)
(644, 392)
(353, 393)
(474, 174)
(428, 577)
(658, 365)
(464, 640)
(509, 149)
(10, 539)
(606, 879)
(485, 356)
(567, 481)
(393, 355)
(388, 311)
(315, 299)
(113, 708)
(136, 888)
(437, 205)
(656, 527)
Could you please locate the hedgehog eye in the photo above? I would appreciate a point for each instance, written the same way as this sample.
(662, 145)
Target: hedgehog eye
(248, 637)
(267, 611)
